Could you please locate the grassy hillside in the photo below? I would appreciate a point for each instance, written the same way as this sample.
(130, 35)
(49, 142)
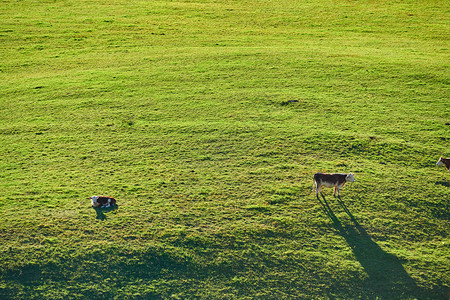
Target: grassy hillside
(206, 120)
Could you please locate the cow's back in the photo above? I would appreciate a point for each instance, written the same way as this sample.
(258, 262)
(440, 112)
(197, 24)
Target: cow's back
(330, 179)
(105, 200)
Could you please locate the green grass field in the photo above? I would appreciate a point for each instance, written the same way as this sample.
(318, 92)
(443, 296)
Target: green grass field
(206, 120)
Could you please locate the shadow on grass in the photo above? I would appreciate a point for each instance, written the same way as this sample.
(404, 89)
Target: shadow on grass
(443, 183)
(387, 277)
(102, 210)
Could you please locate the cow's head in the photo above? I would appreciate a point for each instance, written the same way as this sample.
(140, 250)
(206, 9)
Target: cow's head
(94, 200)
(440, 162)
(350, 177)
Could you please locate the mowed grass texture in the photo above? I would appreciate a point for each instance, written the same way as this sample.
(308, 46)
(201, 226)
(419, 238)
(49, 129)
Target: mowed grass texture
(206, 120)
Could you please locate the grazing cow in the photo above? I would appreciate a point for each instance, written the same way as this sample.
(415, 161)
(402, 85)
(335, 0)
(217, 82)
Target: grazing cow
(102, 201)
(335, 180)
(444, 162)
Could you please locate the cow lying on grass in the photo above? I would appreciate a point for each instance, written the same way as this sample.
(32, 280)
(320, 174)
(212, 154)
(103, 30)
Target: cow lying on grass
(335, 180)
(102, 201)
(444, 162)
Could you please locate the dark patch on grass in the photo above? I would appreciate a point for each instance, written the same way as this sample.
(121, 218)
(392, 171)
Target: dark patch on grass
(284, 103)
(443, 183)
(102, 210)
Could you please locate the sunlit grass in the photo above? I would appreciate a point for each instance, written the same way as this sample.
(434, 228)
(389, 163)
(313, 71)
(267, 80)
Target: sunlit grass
(206, 121)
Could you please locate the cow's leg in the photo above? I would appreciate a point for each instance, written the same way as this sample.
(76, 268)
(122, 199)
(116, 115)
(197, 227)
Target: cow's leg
(335, 189)
(318, 190)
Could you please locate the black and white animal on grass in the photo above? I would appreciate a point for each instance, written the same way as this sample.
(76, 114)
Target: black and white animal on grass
(444, 162)
(102, 201)
(336, 180)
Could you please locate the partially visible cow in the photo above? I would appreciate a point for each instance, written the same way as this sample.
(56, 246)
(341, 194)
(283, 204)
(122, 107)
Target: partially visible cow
(336, 180)
(102, 201)
(444, 162)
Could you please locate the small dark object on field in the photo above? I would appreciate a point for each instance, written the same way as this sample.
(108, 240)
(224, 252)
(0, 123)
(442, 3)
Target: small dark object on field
(444, 162)
(289, 102)
(102, 201)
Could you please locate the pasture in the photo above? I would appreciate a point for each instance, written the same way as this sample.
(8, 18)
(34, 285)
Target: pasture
(207, 120)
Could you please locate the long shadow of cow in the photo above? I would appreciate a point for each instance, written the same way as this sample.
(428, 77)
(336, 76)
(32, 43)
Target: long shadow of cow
(387, 277)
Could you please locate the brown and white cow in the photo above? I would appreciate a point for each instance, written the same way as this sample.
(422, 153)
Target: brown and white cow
(102, 201)
(336, 180)
(444, 162)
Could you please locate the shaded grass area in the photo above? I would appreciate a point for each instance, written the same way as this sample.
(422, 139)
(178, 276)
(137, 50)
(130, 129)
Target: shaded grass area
(207, 120)
(231, 262)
